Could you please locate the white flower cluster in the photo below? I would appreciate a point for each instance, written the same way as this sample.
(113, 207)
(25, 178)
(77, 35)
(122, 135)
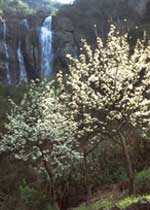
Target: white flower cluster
(39, 131)
(105, 91)
(108, 88)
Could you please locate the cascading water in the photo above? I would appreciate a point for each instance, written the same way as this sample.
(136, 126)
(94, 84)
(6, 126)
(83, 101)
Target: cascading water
(25, 24)
(46, 47)
(6, 52)
(22, 69)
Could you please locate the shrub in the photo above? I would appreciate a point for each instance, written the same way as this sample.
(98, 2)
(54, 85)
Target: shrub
(142, 181)
(33, 198)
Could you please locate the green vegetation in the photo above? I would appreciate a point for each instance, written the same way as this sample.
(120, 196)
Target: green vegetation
(15, 7)
(46, 5)
(142, 181)
(27, 7)
(16, 94)
(107, 204)
(33, 198)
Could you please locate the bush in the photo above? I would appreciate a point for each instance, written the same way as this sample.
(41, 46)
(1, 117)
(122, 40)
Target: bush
(33, 198)
(142, 181)
(6, 92)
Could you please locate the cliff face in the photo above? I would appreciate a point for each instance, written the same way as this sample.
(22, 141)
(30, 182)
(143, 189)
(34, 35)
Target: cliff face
(24, 34)
(63, 41)
(29, 39)
(139, 5)
(69, 26)
(15, 34)
(125, 14)
(75, 22)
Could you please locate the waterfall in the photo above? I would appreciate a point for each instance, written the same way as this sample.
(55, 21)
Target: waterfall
(22, 69)
(25, 24)
(46, 47)
(6, 52)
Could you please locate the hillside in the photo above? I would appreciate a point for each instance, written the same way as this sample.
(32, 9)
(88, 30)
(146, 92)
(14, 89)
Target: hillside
(43, 4)
(28, 6)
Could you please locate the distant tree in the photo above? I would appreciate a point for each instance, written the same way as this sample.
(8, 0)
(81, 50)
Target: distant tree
(15, 6)
(38, 132)
(105, 90)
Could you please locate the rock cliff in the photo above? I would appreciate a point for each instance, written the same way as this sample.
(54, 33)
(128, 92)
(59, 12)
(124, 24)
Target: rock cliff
(69, 25)
(13, 34)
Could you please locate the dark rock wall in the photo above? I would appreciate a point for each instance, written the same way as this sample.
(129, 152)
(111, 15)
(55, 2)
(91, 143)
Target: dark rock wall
(75, 22)
(30, 47)
(70, 25)
(64, 41)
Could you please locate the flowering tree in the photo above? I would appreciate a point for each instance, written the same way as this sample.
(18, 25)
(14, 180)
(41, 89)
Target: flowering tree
(106, 90)
(38, 132)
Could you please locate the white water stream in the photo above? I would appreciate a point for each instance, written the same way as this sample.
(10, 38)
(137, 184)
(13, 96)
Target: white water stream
(46, 47)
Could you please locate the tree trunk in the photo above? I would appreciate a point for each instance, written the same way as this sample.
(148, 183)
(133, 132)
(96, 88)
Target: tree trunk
(129, 166)
(54, 202)
(53, 197)
(87, 184)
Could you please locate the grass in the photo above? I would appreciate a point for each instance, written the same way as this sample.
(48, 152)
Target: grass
(107, 204)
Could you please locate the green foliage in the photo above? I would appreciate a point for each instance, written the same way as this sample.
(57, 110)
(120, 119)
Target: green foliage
(142, 181)
(17, 7)
(33, 198)
(16, 93)
(27, 7)
(112, 175)
(45, 5)
(107, 204)
(123, 203)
